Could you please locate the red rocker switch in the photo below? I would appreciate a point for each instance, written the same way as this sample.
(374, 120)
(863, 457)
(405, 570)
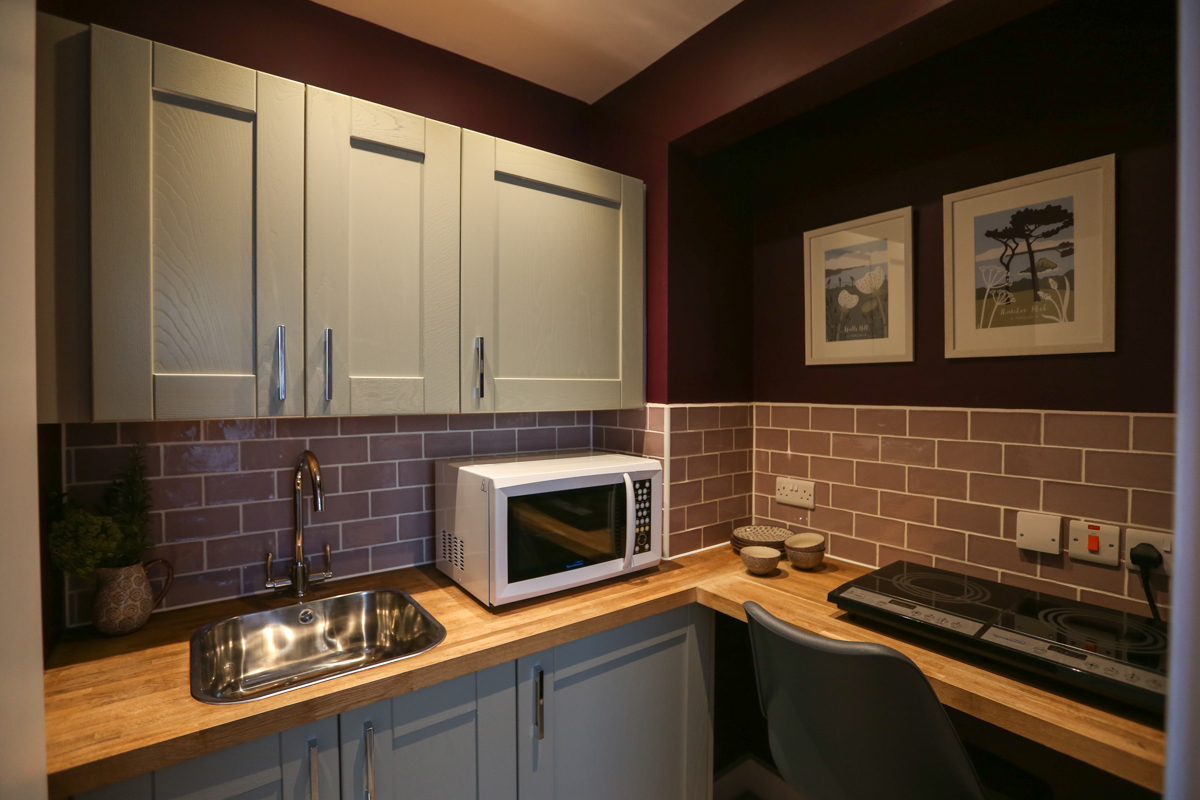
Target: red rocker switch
(1093, 543)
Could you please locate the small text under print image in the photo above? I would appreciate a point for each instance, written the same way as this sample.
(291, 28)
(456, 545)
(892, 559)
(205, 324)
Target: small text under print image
(1025, 265)
(856, 291)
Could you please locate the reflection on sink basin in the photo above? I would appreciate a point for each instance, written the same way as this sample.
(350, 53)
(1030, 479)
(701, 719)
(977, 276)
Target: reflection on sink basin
(262, 654)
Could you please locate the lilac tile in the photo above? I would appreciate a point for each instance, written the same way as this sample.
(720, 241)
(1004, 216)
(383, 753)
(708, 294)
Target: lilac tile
(357, 426)
(241, 487)
(395, 447)
(368, 532)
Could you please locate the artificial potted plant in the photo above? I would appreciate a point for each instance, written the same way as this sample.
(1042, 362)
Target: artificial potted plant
(108, 544)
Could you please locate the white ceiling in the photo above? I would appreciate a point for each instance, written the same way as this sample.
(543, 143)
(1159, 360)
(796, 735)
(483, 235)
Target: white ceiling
(582, 48)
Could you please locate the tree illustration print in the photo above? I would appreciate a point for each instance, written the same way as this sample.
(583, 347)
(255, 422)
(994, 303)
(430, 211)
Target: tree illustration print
(1025, 265)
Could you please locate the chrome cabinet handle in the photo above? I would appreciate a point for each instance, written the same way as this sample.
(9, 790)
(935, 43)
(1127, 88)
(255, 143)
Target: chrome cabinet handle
(329, 363)
(479, 350)
(541, 704)
(281, 351)
(370, 762)
(314, 774)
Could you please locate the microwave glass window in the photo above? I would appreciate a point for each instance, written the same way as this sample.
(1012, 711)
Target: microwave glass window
(557, 532)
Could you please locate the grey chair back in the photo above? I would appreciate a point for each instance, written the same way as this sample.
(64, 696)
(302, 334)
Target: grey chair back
(854, 720)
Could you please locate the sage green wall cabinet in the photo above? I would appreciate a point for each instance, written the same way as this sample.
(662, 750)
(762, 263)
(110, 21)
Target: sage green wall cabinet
(552, 282)
(625, 713)
(264, 248)
(382, 196)
(197, 235)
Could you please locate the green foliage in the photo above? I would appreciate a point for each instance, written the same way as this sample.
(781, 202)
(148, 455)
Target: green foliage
(116, 534)
(81, 542)
(128, 502)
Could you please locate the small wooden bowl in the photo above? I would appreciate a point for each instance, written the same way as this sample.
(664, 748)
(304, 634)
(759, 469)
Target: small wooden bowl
(760, 560)
(805, 550)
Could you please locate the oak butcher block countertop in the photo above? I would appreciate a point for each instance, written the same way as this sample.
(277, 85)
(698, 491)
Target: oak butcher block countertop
(116, 708)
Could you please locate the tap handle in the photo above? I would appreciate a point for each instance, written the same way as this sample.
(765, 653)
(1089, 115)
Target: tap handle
(328, 573)
(271, 583)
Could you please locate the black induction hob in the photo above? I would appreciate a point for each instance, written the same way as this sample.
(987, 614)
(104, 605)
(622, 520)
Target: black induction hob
(1119, 655)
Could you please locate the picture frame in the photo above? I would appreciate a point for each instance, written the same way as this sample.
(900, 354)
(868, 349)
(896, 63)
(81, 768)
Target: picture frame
(1030, 264)
(859, 290)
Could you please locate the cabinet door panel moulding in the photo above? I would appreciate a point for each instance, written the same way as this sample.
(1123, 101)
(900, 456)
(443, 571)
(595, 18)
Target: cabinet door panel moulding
(197, 216)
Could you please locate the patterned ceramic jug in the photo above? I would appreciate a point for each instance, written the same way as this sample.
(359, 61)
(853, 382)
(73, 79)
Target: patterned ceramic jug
(124, 597)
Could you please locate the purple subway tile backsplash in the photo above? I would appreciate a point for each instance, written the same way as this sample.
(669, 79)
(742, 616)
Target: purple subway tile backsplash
(223, 489)
(932, 485)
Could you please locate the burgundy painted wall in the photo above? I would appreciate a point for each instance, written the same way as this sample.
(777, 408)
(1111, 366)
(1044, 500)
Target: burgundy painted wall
(762, 62)
(307, 42)
(1094, 78)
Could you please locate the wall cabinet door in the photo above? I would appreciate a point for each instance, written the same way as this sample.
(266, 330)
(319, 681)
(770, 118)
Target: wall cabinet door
(552, 281)
(197, 235)
(382, 247)
(624, 713)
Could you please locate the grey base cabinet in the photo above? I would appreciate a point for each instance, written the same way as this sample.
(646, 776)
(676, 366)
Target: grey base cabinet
(621, 714)
(452, 741)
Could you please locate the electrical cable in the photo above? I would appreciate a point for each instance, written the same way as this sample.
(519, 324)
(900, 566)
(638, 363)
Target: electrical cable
(1146, 558)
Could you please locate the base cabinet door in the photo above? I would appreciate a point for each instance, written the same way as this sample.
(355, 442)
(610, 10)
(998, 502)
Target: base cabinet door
(623, 713)
(250, 771)
(311, 761)
(455, 740)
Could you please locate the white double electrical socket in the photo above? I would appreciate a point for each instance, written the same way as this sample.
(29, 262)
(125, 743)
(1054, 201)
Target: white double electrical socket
(795, 492)
(1165, 543)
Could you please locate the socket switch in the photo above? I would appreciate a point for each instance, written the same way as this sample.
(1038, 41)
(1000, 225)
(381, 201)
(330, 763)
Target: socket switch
(1165, 543)
(795, 492)
(1040, 532)
(1091, 541)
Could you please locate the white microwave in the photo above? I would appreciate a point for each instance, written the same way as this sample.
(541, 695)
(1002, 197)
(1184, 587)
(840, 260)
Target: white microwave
(513, 527)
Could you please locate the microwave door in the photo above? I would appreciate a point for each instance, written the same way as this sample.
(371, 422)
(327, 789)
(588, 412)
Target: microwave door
(556, 532)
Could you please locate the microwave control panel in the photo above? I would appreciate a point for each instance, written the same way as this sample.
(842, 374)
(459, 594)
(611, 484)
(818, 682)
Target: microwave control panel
(641, 506)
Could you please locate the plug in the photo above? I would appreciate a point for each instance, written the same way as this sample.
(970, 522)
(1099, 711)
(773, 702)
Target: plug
(1147, 558)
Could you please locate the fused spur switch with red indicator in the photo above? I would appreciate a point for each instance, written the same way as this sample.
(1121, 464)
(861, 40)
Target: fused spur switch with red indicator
(1090, 541)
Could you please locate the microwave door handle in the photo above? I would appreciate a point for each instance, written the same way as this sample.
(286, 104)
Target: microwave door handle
(630, 519)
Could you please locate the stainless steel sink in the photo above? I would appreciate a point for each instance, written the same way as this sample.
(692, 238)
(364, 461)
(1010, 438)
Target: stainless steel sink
(262, 654)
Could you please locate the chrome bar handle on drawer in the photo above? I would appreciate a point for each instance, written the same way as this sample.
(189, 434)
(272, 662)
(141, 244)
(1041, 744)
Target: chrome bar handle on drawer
(541, 704)
(369, 760)
(479, 352)
(281, 352)
(329, 363)
(314, 773)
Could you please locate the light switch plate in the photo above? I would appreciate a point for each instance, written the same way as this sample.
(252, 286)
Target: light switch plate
(1107, 539)
(1165, 543)
(795, 492)
(1040, 532)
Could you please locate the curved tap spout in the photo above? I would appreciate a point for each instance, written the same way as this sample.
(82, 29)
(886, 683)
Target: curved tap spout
(300, 576)
(314, 470)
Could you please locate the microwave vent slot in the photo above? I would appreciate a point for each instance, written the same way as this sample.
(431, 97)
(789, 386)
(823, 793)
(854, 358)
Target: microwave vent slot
(453, 550)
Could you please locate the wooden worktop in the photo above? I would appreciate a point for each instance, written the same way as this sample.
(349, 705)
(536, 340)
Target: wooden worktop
(116, 708)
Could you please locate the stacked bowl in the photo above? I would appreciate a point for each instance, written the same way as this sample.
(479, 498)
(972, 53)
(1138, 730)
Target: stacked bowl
(805, 550)
(759, 536)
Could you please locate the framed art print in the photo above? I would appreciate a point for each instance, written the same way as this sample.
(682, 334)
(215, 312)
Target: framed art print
(1030, 264)
(858, 290)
